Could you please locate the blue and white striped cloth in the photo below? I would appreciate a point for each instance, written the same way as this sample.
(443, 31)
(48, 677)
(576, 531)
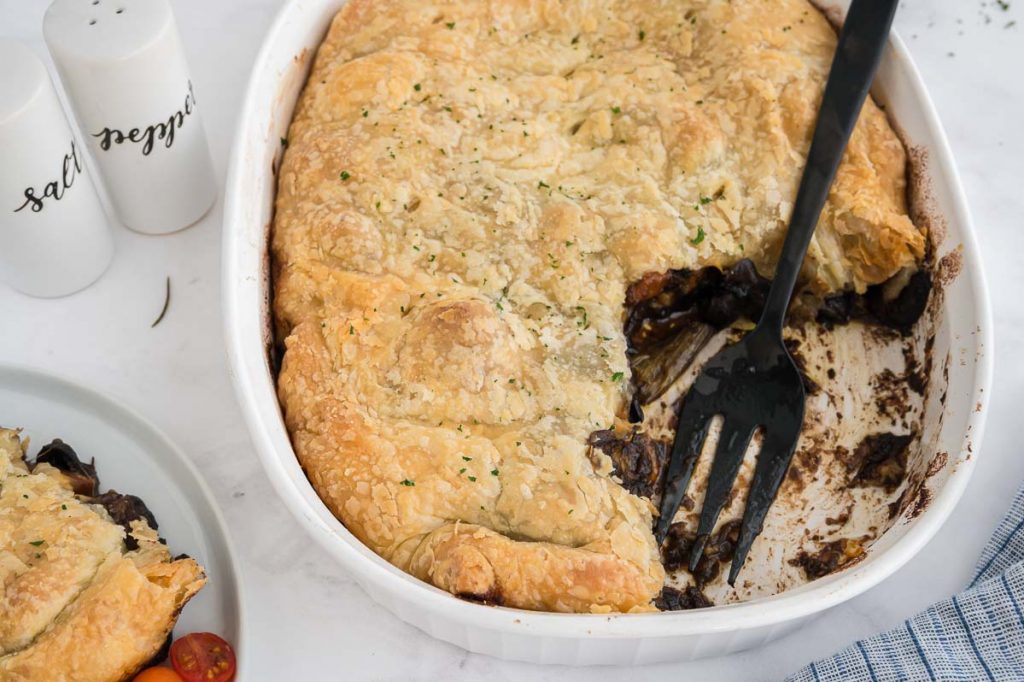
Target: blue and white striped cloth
(976, 635)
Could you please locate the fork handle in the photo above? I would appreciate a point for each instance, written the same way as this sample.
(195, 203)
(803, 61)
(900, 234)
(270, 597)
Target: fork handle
(861, 41)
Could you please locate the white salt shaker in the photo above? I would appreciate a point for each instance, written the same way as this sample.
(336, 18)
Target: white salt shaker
(123, 67)
(54, 237)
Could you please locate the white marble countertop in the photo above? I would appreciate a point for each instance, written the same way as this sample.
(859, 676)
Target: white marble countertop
(308, 619)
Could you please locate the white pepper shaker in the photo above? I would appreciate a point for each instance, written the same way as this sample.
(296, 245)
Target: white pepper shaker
(54, 237)
(123, 67)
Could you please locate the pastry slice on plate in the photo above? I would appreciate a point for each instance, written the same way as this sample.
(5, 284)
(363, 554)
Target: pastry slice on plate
(88, 591)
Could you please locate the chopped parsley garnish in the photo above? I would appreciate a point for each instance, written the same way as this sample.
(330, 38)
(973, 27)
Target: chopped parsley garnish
(570, 512)
(618, 376)
(351, 329)
(704, 201)
(699, 238)
(450, 25)
(494, 472)
(583, 323)
(641, 35)
(472, 478)
(467, 459)
(284, 141)
(64, 507)
(417, 87)
(345, 175)
(462, 471)
(36, 543)
(543, 185)
(616, 109)
(407, 482)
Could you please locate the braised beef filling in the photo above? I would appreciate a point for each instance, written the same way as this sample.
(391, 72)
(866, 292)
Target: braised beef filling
(675, 551)
(881, 460)
(637, 459)
(123, 509)
(490, 598)
(832, 556)
(898, 310)
(672, 599)
(670, 317)
(63, 457)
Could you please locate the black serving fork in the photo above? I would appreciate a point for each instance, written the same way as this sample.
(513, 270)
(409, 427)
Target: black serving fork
(754, 384)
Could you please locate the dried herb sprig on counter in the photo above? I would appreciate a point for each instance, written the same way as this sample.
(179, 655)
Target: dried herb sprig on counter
(167, 303)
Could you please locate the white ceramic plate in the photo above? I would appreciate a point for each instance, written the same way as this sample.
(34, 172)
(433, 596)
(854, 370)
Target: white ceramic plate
(132, 456)
(954, 428)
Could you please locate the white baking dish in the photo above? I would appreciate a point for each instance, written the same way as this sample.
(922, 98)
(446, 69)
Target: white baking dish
(964, 328)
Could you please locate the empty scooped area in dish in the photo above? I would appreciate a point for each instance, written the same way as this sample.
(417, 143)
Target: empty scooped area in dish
(866, 361)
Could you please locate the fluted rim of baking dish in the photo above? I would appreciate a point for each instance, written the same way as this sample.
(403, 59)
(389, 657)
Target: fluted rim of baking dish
(245, 304)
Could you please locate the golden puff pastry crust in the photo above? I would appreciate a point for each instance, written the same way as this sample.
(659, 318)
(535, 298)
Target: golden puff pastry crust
(467, 192)
(75, 604)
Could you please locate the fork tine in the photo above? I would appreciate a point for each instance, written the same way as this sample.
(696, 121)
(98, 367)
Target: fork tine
(732, 445)
(691, 430)
(772, 464)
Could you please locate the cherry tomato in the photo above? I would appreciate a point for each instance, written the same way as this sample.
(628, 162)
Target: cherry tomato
(203, 657)
(157, 675)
